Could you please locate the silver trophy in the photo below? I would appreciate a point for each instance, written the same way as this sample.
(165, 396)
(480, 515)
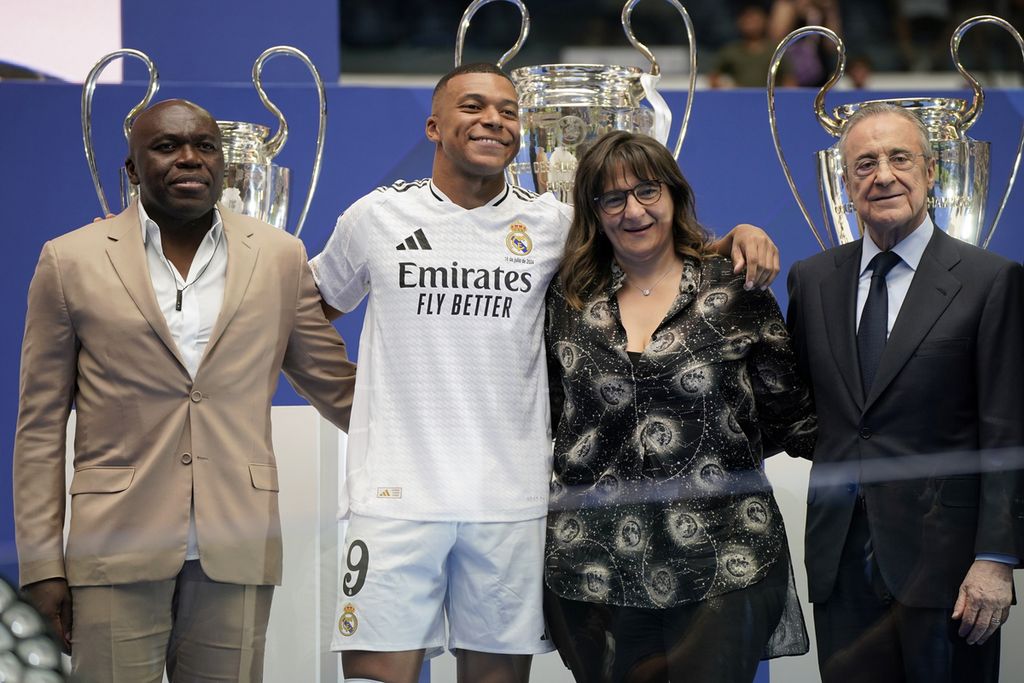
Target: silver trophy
(957, 200)
(565, 108)
(253, 184)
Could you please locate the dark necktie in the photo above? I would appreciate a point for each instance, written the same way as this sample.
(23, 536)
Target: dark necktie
(871, 334)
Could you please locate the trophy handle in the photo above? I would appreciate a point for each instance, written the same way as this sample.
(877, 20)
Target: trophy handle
(627, 26)
(524, 31)
(831, 124)
(974, 111)
(280, 136)
(89, 89)
(979, 100)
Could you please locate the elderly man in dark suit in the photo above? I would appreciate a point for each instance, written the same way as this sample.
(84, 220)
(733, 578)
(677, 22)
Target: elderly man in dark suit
(912, 342)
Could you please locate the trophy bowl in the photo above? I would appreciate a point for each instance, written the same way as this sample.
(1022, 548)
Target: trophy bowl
(957, 199)
(253, 184)
(565, 108)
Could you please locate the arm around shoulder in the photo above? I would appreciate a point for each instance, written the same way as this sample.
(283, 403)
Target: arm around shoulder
(315, 360)
(341, 269)
(751, 250)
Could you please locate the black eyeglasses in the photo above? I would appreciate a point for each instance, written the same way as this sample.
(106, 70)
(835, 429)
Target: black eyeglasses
(614, 202)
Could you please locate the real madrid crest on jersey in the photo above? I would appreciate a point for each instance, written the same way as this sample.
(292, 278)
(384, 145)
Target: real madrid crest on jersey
(348, 623)
(517, 241)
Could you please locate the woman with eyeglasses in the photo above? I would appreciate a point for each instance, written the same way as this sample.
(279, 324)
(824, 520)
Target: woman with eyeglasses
(666, 554)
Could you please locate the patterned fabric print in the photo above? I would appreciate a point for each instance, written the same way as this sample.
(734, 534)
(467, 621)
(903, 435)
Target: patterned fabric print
(658, 495)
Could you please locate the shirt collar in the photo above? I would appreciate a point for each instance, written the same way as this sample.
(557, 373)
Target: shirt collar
(910, 249)
(151, 229)
(497, 199)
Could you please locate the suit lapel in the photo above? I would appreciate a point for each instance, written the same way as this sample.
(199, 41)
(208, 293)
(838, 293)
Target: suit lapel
(839, 304)
(242, 255)
(127, 254)
(930, 293)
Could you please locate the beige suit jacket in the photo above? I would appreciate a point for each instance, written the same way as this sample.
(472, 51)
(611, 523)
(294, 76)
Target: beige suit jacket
(149, 439)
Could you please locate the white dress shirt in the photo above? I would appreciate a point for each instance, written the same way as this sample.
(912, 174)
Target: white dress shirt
(897, 281)
(202, 293)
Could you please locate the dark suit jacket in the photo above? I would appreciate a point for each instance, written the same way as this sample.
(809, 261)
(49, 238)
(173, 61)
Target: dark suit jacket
(935, 446)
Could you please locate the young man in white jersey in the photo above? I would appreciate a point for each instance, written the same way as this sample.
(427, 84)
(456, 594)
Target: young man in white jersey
(449, 444)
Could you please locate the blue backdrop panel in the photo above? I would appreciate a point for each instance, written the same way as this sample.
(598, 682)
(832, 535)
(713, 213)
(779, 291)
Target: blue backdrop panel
(215, 41)
(375, 135)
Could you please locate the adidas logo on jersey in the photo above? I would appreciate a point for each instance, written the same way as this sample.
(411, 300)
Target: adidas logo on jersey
(417, 240)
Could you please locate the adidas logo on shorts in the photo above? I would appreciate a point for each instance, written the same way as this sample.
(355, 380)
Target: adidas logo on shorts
(417, 240)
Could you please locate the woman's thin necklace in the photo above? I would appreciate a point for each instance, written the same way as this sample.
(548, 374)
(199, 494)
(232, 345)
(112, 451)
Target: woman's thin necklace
(646, 291)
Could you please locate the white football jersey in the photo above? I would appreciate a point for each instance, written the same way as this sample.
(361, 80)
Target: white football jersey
(451, 418)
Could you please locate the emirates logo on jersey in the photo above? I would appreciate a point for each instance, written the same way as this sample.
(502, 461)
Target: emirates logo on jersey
(517, 241)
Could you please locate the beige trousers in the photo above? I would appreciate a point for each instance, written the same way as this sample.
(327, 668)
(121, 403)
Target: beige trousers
(198, 629)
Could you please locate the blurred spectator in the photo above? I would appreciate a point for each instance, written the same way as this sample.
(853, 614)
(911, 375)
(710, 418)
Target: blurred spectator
(869, 27)
(1015, 14)
(372, 23)
(858, 72)
(922, 28)
(809, 59)
(744, 63)
(985, 48)
(397, 36)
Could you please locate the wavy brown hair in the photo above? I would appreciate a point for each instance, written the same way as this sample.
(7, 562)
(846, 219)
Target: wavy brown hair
(586, 264)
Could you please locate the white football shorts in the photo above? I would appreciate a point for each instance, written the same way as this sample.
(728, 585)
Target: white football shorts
(400, 578)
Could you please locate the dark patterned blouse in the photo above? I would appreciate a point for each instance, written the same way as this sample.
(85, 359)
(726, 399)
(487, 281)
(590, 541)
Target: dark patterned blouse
(658, 496)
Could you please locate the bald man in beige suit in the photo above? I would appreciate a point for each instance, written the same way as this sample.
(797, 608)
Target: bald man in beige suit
(166, 327)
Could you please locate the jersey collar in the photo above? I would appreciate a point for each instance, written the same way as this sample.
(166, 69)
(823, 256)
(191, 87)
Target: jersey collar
(498, 198)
